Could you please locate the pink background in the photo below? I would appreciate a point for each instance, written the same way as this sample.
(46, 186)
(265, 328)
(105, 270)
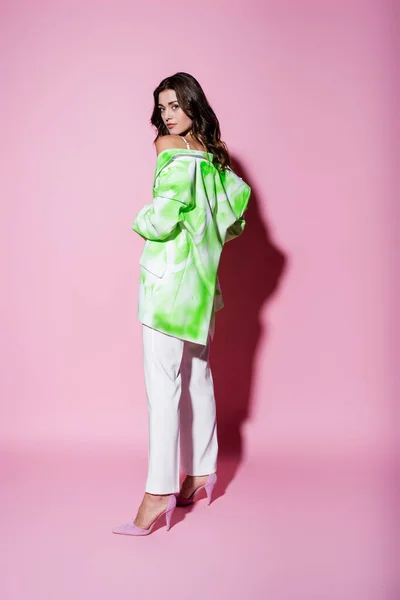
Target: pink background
(306, 352)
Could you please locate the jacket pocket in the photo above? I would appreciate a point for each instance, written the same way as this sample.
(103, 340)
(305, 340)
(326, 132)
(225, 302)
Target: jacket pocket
(153, 258)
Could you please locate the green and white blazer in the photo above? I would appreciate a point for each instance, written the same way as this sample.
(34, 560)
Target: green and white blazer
(196, 209)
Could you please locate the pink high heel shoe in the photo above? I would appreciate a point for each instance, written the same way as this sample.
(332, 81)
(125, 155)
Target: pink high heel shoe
(132, 529)
(208, 486)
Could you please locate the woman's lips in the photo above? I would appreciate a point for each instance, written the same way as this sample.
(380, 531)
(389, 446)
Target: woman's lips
(170, 126)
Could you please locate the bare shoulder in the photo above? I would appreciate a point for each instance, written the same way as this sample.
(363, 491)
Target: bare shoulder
(167, 142)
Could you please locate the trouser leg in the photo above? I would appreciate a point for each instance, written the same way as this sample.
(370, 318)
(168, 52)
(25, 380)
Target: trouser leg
(162, 356)
(198, 428)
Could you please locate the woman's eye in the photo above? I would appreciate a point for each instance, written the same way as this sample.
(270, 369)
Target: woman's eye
(173, 106)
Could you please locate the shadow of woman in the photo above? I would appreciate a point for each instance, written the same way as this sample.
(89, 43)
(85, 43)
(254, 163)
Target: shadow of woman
(249, 272)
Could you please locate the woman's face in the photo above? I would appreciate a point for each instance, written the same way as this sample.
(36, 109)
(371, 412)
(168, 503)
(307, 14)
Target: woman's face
(171, 113)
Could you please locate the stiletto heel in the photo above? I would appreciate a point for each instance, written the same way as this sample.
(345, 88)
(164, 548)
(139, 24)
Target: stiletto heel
(168, 517)
(132, 529)
(209, 491)
(208, 486)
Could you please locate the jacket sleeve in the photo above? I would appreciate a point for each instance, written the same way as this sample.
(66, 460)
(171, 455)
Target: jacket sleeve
(172, 196)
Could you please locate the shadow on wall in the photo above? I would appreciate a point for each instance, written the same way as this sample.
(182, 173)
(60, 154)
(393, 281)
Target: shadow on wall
(249, 273)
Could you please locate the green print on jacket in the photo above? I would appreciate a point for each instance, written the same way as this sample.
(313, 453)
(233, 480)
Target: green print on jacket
(196, 209)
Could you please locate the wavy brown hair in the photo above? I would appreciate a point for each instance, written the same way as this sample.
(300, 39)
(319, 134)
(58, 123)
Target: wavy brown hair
(193, 102)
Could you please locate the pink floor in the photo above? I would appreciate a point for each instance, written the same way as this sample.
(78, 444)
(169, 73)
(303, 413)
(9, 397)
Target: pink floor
(277, 529)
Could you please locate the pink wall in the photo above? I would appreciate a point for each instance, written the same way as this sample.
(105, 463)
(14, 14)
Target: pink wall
(304, 99)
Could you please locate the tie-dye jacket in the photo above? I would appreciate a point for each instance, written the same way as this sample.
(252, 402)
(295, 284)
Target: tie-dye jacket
(196, 209)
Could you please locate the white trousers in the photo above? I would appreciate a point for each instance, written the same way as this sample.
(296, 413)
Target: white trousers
(181, 408)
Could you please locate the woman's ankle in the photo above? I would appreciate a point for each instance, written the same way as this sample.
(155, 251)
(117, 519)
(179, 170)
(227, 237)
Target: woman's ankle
(156, 497)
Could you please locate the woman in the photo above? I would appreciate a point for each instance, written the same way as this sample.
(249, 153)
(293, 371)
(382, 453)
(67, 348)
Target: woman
(198, 205)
